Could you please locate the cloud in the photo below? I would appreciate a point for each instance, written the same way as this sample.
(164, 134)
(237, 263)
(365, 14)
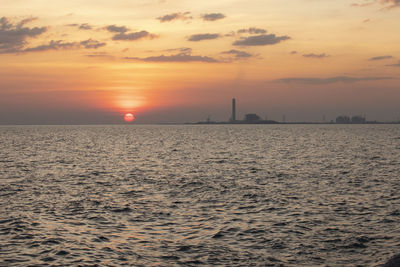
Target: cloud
(92, 44)
(134, 36)
(61, 45)
(121, 34)
(185, 50)
(53, 45)
(230, 34)
(389, 4)
(213, 16)
(175, 16)
(83, 26)
(330, 80)
(204, 36)
(312, 55)
(380, 58)
(238, 54)
(252, 30)
(13, 37)
(294, 52)
(180, 57)
(100, 55)
(116, 29)
(394, 65)
(259, 40)
(362, 4)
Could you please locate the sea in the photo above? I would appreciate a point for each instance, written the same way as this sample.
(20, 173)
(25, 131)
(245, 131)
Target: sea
(199, 195)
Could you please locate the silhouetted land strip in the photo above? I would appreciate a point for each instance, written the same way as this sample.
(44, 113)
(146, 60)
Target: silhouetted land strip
(276, 122)
(238, 122)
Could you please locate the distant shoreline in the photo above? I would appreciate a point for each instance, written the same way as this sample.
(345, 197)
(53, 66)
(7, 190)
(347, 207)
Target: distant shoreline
(208, 123)
(283, 123)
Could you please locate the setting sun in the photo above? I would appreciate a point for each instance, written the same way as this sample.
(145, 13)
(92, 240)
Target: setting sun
(128, 117)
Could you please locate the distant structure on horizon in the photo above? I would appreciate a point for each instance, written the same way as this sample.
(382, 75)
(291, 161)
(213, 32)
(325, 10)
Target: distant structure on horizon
(347, 120)
(251, 118)
(233, 117)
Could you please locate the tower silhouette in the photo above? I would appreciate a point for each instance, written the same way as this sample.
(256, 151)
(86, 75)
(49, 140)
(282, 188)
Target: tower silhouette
(233, 117)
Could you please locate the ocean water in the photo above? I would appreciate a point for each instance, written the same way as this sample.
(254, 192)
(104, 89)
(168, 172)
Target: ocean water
(216, 195)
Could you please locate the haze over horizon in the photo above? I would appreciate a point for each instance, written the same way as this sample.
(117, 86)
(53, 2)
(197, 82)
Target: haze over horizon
(80, 62)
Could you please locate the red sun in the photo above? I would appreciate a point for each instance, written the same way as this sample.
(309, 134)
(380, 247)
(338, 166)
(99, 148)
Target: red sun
(128, 117)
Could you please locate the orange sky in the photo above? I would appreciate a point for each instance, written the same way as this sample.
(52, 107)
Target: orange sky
(178, 61)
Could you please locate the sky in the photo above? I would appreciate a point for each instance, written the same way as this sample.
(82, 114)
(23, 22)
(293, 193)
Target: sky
(92, 61)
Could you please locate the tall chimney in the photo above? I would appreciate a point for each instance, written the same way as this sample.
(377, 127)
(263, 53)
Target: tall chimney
(233, 109)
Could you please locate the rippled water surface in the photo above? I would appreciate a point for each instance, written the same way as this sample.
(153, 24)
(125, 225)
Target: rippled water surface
(270, 195)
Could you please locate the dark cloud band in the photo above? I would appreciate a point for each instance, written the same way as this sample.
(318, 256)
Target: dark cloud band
(181, 57)
(238, 54)
(312, 55)
(117, 29)
(61, 45)
(261, 40)
(133, 36)
(13, 37)
(204, 36)
(330, 80)
(175, 16)
(380, 58)
(213, 16)
(253, 30)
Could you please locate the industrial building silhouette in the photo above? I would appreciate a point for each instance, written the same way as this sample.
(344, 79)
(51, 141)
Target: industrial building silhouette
(252, 118)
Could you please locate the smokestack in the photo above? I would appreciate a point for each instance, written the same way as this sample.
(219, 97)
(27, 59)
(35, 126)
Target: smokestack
(233, 118)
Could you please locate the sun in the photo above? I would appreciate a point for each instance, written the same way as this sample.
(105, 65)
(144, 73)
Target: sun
(128, 117)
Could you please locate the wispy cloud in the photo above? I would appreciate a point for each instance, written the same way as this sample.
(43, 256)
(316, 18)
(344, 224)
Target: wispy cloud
(62, 45)
(380, 58)
(83, 26)
(53, 45)
(203, 36)
(261, 40)
(133, 36)
(185, 50)
(388, 4)
(116, 29)
(394, 65)
(181, 57)
(238, 54)
(100, 55)
(175, 16)
(121, 33)
(337, 79)
(213, 16)
(312, 55)
(252, 30)
(368, 3)
(90, 43)
(13, 37)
